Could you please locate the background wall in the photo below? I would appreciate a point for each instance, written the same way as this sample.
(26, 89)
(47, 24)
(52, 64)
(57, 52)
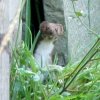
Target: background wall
(80, 39)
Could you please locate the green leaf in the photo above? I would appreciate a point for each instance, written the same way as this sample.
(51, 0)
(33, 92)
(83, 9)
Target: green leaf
(56, 97)
(74, 0)
(78, 13)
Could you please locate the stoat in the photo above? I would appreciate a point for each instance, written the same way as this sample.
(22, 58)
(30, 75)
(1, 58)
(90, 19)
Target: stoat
(50, 32)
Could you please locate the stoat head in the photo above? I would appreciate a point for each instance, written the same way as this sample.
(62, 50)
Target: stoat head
(51, 31)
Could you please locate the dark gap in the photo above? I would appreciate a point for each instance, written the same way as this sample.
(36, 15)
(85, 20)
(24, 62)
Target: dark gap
(37, 15)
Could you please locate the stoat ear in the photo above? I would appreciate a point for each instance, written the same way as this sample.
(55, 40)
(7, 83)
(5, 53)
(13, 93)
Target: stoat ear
(43, 26)
(60, 29)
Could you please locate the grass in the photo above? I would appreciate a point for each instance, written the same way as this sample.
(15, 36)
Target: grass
(80, 81)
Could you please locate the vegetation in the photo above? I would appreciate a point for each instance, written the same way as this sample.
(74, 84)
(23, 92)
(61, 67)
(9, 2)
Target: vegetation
(78, 81)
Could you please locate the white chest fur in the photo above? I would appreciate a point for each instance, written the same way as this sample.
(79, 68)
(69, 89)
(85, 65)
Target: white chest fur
(43, 53)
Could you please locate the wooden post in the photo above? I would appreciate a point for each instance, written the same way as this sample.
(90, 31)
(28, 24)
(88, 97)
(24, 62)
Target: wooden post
(8, 9)
(4, 75)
